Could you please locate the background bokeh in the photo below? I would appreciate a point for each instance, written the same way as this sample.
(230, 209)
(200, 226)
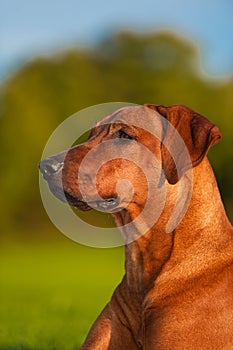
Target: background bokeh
(58, 58)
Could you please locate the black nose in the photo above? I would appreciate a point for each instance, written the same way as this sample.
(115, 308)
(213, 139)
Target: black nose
(50, 166)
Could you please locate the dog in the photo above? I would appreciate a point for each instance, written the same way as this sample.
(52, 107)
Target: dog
(177, 291)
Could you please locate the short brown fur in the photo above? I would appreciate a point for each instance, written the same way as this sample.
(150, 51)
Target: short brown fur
(177, 292)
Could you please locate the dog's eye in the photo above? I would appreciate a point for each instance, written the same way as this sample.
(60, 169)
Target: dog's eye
(123, 135)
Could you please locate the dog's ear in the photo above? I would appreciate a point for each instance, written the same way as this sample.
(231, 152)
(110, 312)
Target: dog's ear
(197, 132)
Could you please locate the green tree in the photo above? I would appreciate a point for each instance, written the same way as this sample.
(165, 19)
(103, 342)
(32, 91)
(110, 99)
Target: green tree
(158, 68)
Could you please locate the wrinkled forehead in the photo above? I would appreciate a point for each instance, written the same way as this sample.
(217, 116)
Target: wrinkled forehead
(136, 116)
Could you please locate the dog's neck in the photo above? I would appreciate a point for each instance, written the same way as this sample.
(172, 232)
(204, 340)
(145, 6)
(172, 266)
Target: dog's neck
(148, 255)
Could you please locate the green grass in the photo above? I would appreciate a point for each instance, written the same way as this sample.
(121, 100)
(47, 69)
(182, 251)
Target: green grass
(50, 293)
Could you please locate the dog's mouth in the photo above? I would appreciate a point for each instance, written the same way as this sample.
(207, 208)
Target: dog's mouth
(110, 204)
(66, 197)
(77, 203)
(107, 204)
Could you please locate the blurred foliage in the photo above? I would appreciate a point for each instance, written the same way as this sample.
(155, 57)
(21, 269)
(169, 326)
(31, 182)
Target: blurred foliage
(45, 287)
(158, 68)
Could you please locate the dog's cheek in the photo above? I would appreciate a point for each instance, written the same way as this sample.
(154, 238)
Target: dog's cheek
(124, 178)
(106, 179)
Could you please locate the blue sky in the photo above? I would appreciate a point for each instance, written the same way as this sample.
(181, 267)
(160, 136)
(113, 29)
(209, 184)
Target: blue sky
(29, 28)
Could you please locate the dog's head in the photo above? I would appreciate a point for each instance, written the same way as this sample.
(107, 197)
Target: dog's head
(125, 152)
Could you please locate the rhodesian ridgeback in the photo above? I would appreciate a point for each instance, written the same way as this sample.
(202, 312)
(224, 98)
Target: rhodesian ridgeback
(177, 292)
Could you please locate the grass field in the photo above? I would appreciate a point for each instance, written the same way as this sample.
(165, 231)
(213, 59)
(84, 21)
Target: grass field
(50, 293)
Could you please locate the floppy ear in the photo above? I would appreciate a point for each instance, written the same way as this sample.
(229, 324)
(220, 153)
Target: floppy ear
(197, 132)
